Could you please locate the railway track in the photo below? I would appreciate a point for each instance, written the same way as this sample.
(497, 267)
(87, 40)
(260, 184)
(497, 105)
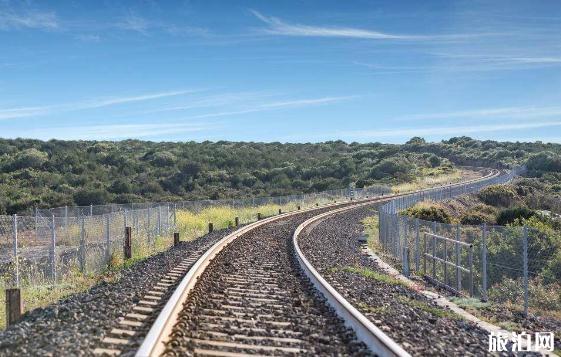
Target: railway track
(254, 292)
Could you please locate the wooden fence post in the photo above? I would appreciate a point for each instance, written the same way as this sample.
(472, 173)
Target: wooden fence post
(13, 306)
(210, 227)
(176, 238)
(237, 221)
(127, 248)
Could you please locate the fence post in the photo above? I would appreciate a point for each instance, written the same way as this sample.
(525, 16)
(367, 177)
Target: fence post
(417, 243)
(13, 306)
(525, 262)
(127, 248)
(15, 236)
(397, 240)
(237, 221)
(258, 216)
(444, 242)
(149, 230)
(176, 238)
(66, 220)
(434, 257)
(82, 249)
(484, 262)
(159, 220)
(210, 227)
(91, 210)
(107, 239)
(52, 250)
(470, 263)
(174, 215)
(36, 224)
(458, 272)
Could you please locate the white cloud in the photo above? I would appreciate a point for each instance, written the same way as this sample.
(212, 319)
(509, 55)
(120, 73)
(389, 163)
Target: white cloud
(277, 105)
(117, 131)
(506, 112)
(12, 113)
(134, 23)
(452, 130)
(279, 27)
(25, 17)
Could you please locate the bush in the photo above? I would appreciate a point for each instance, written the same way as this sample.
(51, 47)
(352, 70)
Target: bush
(552, 272)
(498, 195)
(511, 215)
(544, 161)
(429, 213)
(473, 219)
(394, 168)
(88, 197)
(434, 161)
(29, 158)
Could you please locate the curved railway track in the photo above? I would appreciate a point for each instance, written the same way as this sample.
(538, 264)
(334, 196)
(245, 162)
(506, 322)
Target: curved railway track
(254, 292)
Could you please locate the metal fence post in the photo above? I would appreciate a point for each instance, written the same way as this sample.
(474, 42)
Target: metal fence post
(52, 250)
(15, 236)
(66, 220)
(91, 210)
(470, 263)
(107, 241)
(174, 215)
(484, 262)
(36, 224)
(159, 220)
(82, 249)
(458, 272)
(525, 263)
(417, 244)
(149, 232)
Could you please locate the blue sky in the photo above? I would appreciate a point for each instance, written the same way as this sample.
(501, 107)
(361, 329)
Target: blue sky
(289, 71)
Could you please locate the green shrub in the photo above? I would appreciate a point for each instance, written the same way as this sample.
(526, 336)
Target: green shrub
(511, 215)
(498, 195)
(552, 271)
(545, 161)
(429, 213)
(473, 219)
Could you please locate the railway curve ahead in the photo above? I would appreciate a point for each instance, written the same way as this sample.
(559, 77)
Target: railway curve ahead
(248, 295)
(254, 293)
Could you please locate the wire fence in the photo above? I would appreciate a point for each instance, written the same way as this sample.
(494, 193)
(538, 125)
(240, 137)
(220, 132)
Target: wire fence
(54, 245)
(496, 263)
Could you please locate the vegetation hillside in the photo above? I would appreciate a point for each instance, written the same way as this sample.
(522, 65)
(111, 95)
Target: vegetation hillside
(57, 173)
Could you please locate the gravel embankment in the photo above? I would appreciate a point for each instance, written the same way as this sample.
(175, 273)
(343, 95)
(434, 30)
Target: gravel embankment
(412, 320)
(76, 325)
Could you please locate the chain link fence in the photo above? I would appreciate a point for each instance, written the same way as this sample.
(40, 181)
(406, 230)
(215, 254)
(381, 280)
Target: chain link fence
(53, 246)
(496, 263)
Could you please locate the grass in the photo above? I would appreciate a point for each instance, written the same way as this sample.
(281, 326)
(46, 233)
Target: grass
(429, 178)
(433, 310)
(371, 230)
(371, 274)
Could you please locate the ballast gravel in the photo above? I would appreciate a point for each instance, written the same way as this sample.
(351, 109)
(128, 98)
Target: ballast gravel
(334, 248)
(254, 299)
(76, 325)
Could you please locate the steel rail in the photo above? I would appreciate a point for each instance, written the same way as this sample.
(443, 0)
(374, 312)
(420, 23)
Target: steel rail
(154, 342)
(378, 342)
